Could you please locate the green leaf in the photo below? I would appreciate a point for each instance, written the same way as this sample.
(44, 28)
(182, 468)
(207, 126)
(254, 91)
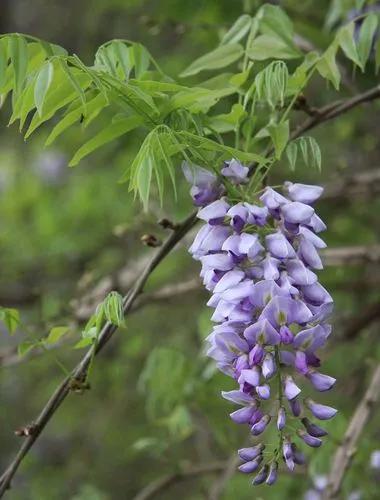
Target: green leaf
(271, 83)
(141, 58)
(346, 41)
(292, 153)
(377, 56)
(144, 178)
(19, 56)
(27, 345)
(56, 333)
(271, 47)
(311, 152)
(274, 22)
(10, 317)
(94, 106)
(238, 30)
(280, 136)
(43, 82)
(219, 58)
(113, 308)
(3, 60)
(328, 68)
(366, 36)
(108, 134)
(76, 84)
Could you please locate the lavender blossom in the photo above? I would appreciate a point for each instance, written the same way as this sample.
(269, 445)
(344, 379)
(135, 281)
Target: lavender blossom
(270, 312)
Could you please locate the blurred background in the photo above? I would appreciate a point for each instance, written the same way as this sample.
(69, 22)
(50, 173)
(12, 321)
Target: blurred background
(68, 236)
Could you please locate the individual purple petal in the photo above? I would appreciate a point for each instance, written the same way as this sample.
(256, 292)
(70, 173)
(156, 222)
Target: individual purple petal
(296, 212)
(286, 284)
(298, 457)
(239, 216)
(272, 476)
(279, 246)
(286, 335)
(316, 294)
(281, 418)
(301, 362)
(322, 412)
(230, 279)
(238, 292)
(261, 425)
(263, 291)
(304, 193)
(320, 381)
(295, 407)
(272, 199)
(219, 261)
(263, 391)
(251, 466)
(256, 215)
(250, 245)
(313, 429)
(251, 376)
(238, 397)
(235, 172)
(291, 390)
(310, 236)
(300, 274)
(268, 366)
(256, 355)
(205, 186)
(270, 268)
(287, 358)
(215, 212)
(261, 476)
(284, 310)
(261, 332)
(251, 453)
(309, 254)
(312, 441)
(316, 224)
(287, 453)
(243, 415)
(310, 339)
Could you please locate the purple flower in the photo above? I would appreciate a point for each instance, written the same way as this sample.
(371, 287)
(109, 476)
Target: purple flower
(291, 390)
(261, 476)
(320, 381)
(281, 418)
(269, 306)
(295, 407)
(261, 425)
(263, 391)
(272, 476)
(251, 466)
(235, 172)
(251, 453)
(303, 192)
(279, 246)
(312, 441)
(319, 411)
(268, 366)
(313, 429)
(214, 213)
(296, 212)
(205, 186)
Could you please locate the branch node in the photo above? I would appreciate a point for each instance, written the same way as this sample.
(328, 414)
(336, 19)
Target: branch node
(150, 240)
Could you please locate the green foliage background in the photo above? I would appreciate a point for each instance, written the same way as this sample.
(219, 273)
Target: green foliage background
(154, 402)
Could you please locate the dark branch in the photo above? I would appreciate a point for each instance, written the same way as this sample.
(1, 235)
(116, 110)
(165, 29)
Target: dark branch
(79, 373)
(168, 480)
(346, 451)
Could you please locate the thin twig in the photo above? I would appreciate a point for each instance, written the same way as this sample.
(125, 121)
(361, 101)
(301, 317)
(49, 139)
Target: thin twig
(164, 482)
(346, 451)
(79, 373)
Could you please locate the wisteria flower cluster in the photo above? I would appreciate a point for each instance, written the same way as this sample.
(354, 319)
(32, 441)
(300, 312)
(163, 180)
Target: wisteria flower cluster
(259, 261)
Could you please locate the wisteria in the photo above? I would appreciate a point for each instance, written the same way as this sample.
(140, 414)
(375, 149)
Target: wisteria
(258, 260)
